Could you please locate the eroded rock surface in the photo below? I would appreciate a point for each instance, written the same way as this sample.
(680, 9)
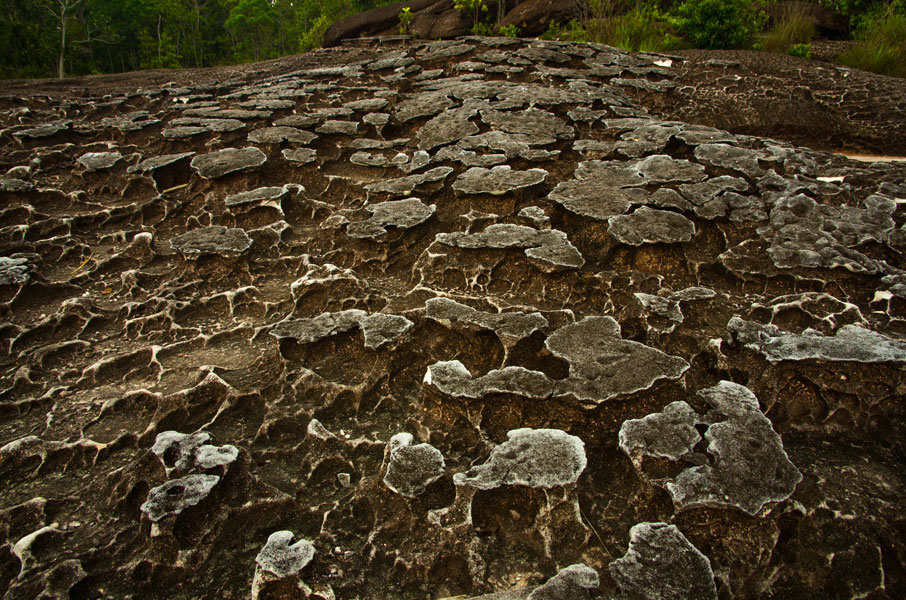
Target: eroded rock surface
(455, 318)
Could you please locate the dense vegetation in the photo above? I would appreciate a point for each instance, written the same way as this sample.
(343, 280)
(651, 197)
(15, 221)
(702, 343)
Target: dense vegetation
(43, 38)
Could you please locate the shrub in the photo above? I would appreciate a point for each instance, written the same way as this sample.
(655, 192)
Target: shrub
(405, 18)
(882, 45)
(800, 50)
(718, 23)
(510, 31)
(792, 30)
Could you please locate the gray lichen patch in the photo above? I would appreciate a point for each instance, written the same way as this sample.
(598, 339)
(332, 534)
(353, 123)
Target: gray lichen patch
(498, 180)
(454, 379)
(401, 214)
(849, 343)
(661, 564)
(177, 495)
(602, 365)
(412, 468)
(574, 582)
(403, 186)
(510, 327)
(229, 160)
(651, 226)
(549, 246)
(282, 558)
(543, 458)
(215, 239)
(746, 465)
(379, 329)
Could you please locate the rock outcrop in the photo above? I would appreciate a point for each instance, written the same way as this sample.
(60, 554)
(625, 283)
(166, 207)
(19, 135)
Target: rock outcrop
(459, 318)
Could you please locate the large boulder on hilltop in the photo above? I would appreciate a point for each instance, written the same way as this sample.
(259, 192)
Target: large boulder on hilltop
(826, 22)
(370, 22)
(440, 20)
(534, 16)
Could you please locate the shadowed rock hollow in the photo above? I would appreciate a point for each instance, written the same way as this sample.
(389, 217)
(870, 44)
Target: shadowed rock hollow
(453, 319)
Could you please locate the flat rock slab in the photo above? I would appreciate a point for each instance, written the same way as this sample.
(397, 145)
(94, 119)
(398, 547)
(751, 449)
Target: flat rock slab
(215, 239)
(401, 214)
(279, 135)
(651, 226)
(497, 180)
(230, 160)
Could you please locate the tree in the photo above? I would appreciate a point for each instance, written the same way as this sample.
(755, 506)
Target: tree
(254, 19)
(62, 11)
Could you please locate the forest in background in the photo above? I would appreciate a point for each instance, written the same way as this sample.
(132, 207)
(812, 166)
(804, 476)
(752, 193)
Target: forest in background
(56, 38)
(110, 36)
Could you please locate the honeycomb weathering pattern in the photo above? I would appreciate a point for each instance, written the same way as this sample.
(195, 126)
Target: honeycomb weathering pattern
(406, 312)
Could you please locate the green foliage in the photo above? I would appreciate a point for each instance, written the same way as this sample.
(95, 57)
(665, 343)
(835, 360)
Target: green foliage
(573, 31)
(642, 26)
(405, 17)
(791, 31)
(510, 31)
(882, 45)
(315, 35)
(718, 23)
(471, 7)
(482, 29)
(801, 50)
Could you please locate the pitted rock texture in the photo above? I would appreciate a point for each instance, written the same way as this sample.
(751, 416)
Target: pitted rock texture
(397, 302)
(746, 466)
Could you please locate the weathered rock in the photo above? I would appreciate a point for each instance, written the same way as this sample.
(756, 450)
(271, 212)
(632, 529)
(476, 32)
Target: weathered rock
(177, 495)
(412, 468)
(230, 160)
(13, 271)
(661, 563)
(651, 226)
(570, 583)
(849, 343)
(549, 246)
(279, 135)
(747, 466)
(212, 240)
(99, 161)
(602, 365)
(401, 214)
(403, 186)
(497, 180)
(543, 458)
(378, 329)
